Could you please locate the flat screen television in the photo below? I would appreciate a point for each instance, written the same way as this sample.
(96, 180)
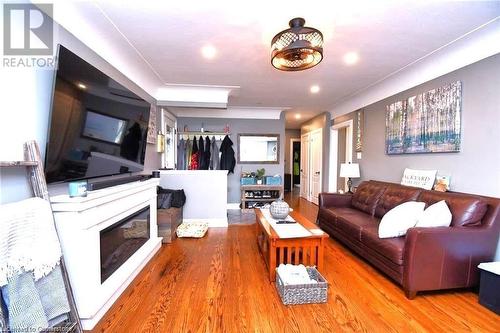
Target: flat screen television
(97, 126)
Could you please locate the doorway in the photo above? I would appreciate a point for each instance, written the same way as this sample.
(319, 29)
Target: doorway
(340, 152)
(295, 164)
(311, 165)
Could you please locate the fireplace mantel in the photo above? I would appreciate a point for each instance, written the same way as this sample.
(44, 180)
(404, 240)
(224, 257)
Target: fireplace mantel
(79, 222)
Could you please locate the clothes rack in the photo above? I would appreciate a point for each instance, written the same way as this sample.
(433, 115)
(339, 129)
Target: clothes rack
(219, 136)
(36, 177)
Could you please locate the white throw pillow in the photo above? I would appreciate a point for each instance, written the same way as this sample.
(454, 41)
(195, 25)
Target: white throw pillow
(398, 220)
(436, 215)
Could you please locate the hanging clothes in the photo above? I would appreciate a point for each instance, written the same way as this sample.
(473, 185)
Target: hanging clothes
(201, 152)
(227, 160)
(206, 155)
(181, 155)
(214, 155)
(194, 156)
(189, 152)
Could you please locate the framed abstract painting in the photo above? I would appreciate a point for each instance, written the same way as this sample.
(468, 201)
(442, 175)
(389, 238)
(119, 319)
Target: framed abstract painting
(426, 123)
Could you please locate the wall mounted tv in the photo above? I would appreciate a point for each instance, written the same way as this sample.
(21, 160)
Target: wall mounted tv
(97, 126)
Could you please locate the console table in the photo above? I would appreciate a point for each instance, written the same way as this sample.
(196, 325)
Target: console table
(80, 221)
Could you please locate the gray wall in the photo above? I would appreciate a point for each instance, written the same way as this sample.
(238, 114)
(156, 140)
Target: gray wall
(289, 134)
(321, 121)
(28, 112)
(236, 126)
(476, 168)
(342, 137)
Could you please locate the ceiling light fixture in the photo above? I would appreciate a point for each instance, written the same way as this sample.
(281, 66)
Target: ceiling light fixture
(81, 86)
(298, 116)
(297, 48)
(209, 51)
(351, 58)
(314, 89)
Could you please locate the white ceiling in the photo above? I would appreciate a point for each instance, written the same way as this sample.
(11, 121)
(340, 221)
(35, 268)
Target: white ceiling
(388, 35)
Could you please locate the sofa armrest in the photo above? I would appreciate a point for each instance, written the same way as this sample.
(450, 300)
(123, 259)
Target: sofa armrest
(446, 257)
(334, 200)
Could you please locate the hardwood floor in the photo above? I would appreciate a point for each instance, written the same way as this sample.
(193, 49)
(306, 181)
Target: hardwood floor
(219, 284)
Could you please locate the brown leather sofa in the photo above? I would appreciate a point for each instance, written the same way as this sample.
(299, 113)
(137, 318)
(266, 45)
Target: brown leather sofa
(426, 258)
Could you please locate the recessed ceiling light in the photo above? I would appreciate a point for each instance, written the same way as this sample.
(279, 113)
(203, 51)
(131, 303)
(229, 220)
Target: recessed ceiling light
(314, 89)
(298, 116)
(350, 58)
(209, 51)
(81, 86)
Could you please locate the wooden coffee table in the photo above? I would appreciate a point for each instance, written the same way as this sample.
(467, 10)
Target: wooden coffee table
(303, 250)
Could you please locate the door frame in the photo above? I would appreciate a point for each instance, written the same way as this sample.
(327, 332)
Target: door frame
(311, 172)
(292, 140)
(166, 116)
(334, 141)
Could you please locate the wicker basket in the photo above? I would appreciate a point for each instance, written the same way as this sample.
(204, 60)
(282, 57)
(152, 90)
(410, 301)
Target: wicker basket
(303, 293)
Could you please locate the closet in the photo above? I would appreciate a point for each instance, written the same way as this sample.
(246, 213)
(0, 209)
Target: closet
(311, 162)
(207, 150)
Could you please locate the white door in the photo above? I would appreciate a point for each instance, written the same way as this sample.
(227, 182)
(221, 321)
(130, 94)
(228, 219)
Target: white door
(316, 162)
(304, 166)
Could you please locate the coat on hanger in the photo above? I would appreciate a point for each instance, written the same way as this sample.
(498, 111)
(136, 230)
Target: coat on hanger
(227, 160)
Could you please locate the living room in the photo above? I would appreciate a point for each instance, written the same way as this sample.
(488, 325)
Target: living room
(341, 123)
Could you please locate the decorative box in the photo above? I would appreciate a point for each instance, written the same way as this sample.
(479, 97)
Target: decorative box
(273, 180)
(247, 181)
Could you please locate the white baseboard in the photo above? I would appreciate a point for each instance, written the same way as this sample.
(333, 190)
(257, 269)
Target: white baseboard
(234, 205)
(212, 223)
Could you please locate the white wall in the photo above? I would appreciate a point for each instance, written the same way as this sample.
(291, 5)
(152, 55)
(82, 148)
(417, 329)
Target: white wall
(25, 103)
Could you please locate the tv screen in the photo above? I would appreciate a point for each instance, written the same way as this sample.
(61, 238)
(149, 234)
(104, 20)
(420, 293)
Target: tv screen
(97, 126)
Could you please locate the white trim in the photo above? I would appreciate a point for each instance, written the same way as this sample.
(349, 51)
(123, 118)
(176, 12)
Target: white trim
(292, 140)
(212, 223)
(334, 142)
(349, 126)
(233, 205)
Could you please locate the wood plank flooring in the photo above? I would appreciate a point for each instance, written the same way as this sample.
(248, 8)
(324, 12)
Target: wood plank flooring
(219, 284)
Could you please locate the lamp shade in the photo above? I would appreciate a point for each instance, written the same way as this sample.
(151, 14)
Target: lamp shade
(349, 170)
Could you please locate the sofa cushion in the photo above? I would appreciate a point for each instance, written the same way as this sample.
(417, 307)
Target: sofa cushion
(436, 215)
(399, 219)
(395, 195)
(391, 248)
(367, 196)
(352, 221)
(466, 210)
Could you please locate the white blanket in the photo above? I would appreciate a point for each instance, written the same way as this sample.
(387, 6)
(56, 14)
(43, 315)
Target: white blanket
(28, 239)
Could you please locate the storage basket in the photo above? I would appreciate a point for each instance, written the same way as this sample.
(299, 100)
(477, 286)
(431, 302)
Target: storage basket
(303, 293)
(273, 180)
(247, 181)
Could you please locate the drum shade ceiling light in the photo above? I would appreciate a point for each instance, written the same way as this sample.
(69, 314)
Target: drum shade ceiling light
(297, 48)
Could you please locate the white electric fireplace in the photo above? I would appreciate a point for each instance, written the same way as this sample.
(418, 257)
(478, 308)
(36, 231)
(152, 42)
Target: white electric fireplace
(106, 238)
